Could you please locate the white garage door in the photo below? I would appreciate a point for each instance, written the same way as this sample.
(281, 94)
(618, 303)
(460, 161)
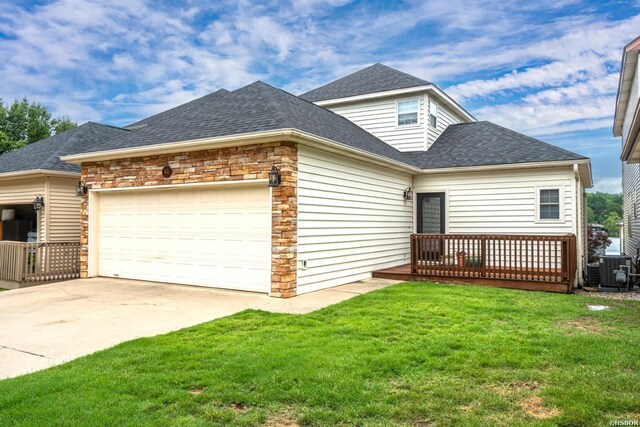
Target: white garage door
(207, 237)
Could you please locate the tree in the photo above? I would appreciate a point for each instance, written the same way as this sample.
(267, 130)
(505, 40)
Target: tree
(62, 124)
(25, 122)
(597, 241)
(600, 205)
(611, 224)
(591, 215)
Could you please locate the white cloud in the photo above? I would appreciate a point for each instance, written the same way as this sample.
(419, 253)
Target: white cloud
(607, 185)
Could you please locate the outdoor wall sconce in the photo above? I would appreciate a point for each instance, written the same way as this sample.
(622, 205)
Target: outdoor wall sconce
(274, 177)
(38, 202)
(81, 189)
(408, 193)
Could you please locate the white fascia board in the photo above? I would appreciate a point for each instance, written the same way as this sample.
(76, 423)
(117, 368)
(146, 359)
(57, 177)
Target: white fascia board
(180, 146)
(367, 96)
(33, 173)
(281, 135)
(439, 93)
(586, 174)
(529, 165)
(628, 69)
(452, 104)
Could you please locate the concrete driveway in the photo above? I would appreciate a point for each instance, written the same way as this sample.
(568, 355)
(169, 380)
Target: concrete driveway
(52, 324)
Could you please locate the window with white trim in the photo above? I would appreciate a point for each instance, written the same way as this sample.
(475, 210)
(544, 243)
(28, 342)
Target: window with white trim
(549, 204)
(433, 113)
(407, 110)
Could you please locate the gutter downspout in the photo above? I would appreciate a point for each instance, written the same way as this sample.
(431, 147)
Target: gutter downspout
(577, 223)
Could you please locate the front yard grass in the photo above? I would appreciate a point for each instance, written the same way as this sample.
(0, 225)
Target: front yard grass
(412, 354)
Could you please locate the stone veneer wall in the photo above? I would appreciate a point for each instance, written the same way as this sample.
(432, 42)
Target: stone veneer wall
(225, 164)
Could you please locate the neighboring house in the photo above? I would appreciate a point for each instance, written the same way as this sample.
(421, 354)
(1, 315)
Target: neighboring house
(36, 170)
(183, 197)
(627, 126)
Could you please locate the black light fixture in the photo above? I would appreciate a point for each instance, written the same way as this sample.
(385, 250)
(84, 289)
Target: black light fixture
(408, 193)
(81, 189)
(274, 177)
(38, 202)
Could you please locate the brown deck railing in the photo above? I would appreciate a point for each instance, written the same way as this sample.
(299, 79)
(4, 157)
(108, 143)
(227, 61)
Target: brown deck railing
(24, 263)
(515, 258)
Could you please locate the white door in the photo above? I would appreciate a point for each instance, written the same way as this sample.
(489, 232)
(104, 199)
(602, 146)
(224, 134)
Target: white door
(217, 237)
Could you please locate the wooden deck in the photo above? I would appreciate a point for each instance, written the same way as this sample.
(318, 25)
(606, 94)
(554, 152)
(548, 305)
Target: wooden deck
(403, 272)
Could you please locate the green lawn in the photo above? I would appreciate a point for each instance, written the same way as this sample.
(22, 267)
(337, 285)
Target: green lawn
(412, 354)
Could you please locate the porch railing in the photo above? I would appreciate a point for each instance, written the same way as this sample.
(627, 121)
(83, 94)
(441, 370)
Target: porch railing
(23, 263)
(517, 258)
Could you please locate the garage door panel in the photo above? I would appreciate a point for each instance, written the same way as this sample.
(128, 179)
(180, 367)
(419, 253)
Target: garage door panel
(212, 237)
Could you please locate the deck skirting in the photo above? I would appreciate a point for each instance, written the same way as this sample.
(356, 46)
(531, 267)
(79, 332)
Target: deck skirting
(403, 272)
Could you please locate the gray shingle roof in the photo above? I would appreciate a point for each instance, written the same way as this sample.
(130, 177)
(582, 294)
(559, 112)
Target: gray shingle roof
(183, 110)
(45, 154)
(373, 79)
(483, 144)
(253, 108)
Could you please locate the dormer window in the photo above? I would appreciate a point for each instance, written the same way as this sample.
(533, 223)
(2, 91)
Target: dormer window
(407, 111)
(433, 113)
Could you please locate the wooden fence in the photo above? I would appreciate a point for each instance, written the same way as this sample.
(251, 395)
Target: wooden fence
(28, 263)
(514, 258)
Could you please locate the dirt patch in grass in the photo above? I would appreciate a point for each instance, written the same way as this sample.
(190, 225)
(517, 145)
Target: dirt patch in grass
(195, 391)
(514, 387)
(282, 419)
(239, 408)
(534, 406)
(422, 423)
(583, 324)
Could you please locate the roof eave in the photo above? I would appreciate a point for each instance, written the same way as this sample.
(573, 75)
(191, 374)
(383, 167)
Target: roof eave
(507, 166)
(628, 68)
(35, 173)
(280, 135)
(586, 174)
(400, 92)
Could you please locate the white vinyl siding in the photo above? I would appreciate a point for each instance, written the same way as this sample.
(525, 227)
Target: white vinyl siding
(352, 219)
(444, 118)
(63, 210)
(22, 191)
(630, 191)
(631, 178)
(379, 118)
(500, 202)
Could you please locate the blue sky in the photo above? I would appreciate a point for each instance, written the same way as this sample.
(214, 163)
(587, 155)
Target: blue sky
(547, 68)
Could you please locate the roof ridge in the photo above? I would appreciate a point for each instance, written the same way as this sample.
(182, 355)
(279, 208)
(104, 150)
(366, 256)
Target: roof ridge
(137, 123)
(402, 73)
(106, 125)
(277, 115)
(58, 150)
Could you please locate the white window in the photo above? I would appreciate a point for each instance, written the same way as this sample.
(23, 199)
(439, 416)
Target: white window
(433, 113)
(407, 110)
(549, 204)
